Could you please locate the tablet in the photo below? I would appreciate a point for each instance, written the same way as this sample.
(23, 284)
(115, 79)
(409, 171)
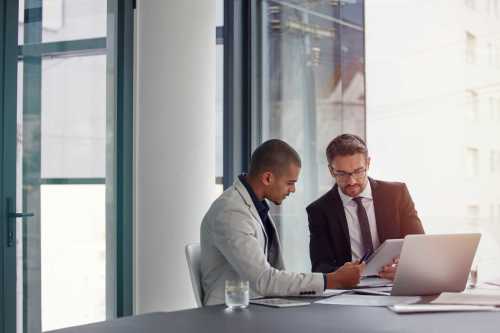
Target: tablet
(382, 256)
(278, 302)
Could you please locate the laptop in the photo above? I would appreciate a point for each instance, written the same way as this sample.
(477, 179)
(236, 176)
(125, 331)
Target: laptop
(431, 264)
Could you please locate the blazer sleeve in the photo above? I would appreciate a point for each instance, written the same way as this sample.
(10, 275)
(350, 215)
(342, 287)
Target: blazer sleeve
(410, 222)
(320, 247)
(235, 237)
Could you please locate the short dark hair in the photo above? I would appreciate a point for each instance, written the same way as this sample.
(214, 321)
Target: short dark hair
(345, 145)
(273, 155)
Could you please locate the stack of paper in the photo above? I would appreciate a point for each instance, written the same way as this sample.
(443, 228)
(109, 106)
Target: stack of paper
(418, 308)
(495, 282)
(334, 292)
(363, 300)
(491, 299)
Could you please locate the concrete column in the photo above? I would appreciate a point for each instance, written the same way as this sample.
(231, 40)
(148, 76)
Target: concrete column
(174, 145)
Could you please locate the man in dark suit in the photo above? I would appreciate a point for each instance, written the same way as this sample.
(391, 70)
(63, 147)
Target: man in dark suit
(359, 213)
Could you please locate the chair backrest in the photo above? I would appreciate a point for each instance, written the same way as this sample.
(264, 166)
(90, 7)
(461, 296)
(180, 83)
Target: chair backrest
(193, 252)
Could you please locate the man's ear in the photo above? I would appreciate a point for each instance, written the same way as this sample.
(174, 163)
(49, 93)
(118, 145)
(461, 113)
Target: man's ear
(368, 163)
(330, 168)
(267, 178)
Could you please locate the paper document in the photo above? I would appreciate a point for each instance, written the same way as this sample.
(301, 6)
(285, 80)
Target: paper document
(278, 302)
(495, 282)
(468, 299)
(385, 291)
(334, 292)
(417, 308)
(486, 286)
(364, 300)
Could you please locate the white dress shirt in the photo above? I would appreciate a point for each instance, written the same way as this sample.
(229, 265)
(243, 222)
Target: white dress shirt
(351, 214)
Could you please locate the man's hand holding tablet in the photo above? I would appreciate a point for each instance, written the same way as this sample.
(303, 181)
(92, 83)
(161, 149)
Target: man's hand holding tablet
(383, 262)
(389, 271)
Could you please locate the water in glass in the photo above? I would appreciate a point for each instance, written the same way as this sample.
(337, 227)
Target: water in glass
(237, 294)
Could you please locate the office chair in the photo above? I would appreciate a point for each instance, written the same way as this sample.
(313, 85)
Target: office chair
(193, 260)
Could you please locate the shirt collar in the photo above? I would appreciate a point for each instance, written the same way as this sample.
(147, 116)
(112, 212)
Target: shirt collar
(261, 205)
(366, 193)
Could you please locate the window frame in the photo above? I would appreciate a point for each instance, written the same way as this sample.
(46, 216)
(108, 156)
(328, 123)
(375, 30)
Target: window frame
(242, 102)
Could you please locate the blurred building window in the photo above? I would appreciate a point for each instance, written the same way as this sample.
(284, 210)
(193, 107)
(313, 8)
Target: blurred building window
(471, 4)
(472, 102)
(470, 48)
(472, 162)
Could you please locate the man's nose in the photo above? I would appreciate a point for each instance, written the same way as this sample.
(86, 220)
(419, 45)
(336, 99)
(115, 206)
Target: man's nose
(351, 180)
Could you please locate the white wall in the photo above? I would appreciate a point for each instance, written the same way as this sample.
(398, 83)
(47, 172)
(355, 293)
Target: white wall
(175, 145)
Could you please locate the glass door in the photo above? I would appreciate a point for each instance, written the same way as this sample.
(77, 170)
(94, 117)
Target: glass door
(59, 168)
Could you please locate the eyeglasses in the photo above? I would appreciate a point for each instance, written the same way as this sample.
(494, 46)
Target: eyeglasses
(356, 174)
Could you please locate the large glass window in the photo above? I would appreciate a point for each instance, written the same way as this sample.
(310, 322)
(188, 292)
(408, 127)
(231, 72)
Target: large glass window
(73, 123)
(63, 20)
(420, 129)
(424, 94)
(73, 255)
(312, 90)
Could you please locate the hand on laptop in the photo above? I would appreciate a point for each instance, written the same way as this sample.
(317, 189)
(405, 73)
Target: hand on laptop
(347, 276)
(389, 271)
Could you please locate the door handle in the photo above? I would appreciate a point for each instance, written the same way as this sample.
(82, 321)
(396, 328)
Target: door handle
(16, 215)
(11, 222)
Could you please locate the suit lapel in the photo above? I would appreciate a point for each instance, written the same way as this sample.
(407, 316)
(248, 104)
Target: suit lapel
(248, 201)
(336, 216)
(276, 246)
(380, 215)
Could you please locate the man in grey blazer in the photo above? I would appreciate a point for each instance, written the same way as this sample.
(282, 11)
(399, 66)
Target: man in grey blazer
(239, 239)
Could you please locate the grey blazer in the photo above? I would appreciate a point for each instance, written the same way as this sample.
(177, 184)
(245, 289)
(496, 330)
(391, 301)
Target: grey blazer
(234, 246)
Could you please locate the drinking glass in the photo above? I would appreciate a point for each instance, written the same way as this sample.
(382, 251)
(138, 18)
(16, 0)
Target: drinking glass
(237, 294)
